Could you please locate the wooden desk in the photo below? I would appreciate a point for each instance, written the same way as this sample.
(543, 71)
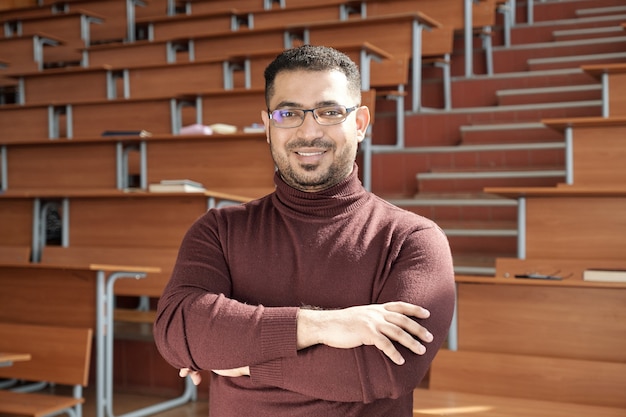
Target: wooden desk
(73, 296)
(550, 226)
(613, 78)
(7, 358)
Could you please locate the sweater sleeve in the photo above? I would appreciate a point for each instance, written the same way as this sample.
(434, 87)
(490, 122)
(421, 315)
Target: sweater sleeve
(199, 326)
(421, 274)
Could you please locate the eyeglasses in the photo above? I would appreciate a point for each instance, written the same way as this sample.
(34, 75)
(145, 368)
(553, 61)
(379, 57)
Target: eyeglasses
(325, 115)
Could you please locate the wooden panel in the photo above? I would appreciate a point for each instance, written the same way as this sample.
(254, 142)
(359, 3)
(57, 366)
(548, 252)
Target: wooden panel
(577, 323)
(237, 107)
(33, 295)
(68, 365)
(216, 162)
(15, 254)
(442, 403)
(533, 377)
(599, 155)
(617, 94)
(142, 221)
(447, 12)
(137, 53)
(188, 25)
(280, 17)
(23, 123)
(17, 222)
(241, 42)
(177, 78)
(92, 119)
(62, 165)
(65, 85)
(584, 227)
(208, 6)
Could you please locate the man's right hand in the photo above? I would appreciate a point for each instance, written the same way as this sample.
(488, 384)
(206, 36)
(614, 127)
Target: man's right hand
(376, 324)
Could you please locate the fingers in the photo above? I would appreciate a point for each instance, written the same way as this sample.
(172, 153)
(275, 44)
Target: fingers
(407, 309)
(401, 328)
(196, 378)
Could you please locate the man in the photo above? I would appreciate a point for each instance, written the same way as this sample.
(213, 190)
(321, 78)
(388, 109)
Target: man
(306, 302)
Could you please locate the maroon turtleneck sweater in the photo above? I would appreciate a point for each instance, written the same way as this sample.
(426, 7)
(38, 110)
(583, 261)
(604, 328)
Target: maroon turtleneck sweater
(243, 272)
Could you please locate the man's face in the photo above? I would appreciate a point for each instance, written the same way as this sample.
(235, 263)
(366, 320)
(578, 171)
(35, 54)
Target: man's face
(312, 157)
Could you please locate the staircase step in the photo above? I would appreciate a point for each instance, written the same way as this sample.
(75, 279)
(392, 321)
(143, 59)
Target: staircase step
(517, 57)
(443, 128)
(550, 94)
(554, 10)
(480, 90)
(576, 60)
(588, 33)
(601, 11)
(509, 133)
(480, 227)
(539, 32)
(476, 181)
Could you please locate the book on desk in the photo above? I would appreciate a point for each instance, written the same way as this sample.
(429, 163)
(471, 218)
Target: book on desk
(604, 275)
(176, 186)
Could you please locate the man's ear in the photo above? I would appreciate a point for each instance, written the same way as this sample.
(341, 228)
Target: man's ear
(266, 122)
(362, 122)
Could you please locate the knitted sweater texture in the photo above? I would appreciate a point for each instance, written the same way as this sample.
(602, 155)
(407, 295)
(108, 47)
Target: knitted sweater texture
(244, 271)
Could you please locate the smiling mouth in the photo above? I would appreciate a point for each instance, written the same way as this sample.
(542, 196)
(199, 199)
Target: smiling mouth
(310, 153)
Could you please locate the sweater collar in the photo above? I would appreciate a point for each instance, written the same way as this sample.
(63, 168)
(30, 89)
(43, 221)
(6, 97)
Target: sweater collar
(342, 198)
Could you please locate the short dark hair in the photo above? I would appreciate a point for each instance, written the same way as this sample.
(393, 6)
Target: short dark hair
(313, 58)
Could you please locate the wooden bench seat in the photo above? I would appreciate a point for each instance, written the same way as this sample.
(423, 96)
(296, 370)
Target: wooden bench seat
(48, 363)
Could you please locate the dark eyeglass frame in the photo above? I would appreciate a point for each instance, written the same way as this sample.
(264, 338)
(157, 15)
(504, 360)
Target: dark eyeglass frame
(348, 110)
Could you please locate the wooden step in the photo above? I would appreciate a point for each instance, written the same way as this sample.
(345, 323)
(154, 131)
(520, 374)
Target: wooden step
(588, 33)
(523, 132)
(443, 128)
(550, 11)
(519, 57)
(480, 90)
(545, 31)
(463, 181)
(549, 94)
(601, 11)
(576, 60)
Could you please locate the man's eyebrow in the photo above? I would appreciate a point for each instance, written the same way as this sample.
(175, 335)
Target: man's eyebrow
(288, 104)
(294, 105)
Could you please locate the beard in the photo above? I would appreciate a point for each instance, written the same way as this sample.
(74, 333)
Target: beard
(313, 177)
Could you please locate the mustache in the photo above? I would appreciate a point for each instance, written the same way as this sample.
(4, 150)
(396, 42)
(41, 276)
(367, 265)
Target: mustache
(315, 143)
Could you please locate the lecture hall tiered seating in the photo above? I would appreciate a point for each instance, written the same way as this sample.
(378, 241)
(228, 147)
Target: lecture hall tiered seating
(508, 133)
